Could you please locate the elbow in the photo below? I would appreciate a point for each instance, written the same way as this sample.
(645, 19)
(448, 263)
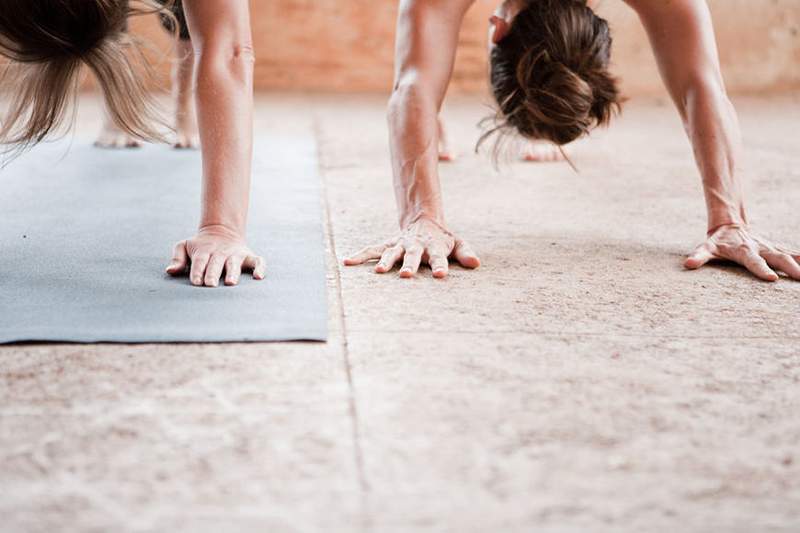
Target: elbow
(409, 93)
(701, 91)
(231, 59)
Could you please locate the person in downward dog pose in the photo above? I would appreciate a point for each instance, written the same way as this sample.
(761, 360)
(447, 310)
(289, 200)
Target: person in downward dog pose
(48, 42)
(549, 76)
(185, 120)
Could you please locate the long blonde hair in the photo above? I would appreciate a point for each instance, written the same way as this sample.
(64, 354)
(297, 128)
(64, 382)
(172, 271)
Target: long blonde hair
(47, 42)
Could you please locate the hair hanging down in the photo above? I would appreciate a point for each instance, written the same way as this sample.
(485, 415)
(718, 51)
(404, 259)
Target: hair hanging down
(47, 42)
(549, 75)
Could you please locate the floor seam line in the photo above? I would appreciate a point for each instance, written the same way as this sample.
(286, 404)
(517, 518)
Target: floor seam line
(353, 403)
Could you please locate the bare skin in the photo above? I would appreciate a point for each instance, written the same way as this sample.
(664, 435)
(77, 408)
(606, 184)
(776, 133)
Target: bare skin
(425, 50)
(223, 67)
(446, 152)
(532, 151)
(186, 134)
(541, 152)
(185, 123)
(113, 137)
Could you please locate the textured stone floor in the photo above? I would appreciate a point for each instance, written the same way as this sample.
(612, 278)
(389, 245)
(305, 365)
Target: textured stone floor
(579, 381)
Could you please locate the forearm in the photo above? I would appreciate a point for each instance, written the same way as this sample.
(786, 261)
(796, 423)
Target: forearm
(427, 37)
(413, 132)
(224, 113)
(711, 123)
(682, 35)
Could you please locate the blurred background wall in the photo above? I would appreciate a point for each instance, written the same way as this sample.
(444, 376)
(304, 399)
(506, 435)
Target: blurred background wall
(347, 45)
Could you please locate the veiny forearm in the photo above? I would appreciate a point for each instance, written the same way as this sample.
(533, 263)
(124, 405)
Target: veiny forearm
(413, 133)
(682, 35)
(427, 36)
(711, 123)
(224, 112)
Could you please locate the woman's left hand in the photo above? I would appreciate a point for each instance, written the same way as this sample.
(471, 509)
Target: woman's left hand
(737, 243)
(211, 251)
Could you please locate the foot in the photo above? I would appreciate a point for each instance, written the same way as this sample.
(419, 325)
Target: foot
(113, 137)
(446, 153)
(186, 135)
(539, 152)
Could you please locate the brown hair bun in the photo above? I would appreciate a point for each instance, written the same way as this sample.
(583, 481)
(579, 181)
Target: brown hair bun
(549, 75)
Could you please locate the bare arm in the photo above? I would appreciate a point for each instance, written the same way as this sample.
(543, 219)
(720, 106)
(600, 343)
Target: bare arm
(682, 36)
(223, 51)
(427, 37)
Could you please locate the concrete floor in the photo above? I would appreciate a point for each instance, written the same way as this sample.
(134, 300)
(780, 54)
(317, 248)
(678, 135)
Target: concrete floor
(579, 381)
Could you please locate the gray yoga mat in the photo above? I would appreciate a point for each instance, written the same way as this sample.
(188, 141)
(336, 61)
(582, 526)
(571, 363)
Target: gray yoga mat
(85, 235)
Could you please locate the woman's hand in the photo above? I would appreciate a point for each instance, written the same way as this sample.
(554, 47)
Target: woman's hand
(211, 251)
(423, 241)
(739, 244)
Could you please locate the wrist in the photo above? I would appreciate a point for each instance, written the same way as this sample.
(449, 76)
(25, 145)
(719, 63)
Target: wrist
(434, 215)
(725, 216)
(224, 230)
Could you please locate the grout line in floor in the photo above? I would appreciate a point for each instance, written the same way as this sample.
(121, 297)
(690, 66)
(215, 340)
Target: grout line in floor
(353, 397)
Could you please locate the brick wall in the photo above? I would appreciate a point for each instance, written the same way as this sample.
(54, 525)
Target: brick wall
(347, 45)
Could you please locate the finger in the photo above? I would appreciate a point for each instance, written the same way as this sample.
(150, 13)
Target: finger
(180, 260)
(214, 270)
(389, 257)
(437, 259)
(199, 263)
(785, 263)
(789, 251)
(699, 257)
(757, 265)
(370, 253)
(256, 265)
(411, 262)
(233, 270)
(465, 256)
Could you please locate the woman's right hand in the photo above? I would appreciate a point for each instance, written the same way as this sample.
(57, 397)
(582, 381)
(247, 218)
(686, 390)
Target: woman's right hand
(422, 241)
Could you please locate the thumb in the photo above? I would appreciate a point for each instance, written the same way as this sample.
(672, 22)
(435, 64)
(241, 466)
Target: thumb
(699, 257)
(463, 253)
(180, 259)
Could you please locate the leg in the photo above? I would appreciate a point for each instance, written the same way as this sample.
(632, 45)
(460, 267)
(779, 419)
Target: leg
(111, 136)
(445, 151)
(186, 134)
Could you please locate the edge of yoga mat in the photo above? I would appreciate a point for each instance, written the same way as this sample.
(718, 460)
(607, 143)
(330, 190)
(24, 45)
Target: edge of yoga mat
(88, 268)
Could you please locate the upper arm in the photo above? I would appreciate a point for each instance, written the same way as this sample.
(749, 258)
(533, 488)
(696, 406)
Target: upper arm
(427, 37)
(682, 36)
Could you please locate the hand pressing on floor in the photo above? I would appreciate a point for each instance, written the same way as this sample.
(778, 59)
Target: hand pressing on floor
(737, 243)
(423, 241)
(212, 251)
